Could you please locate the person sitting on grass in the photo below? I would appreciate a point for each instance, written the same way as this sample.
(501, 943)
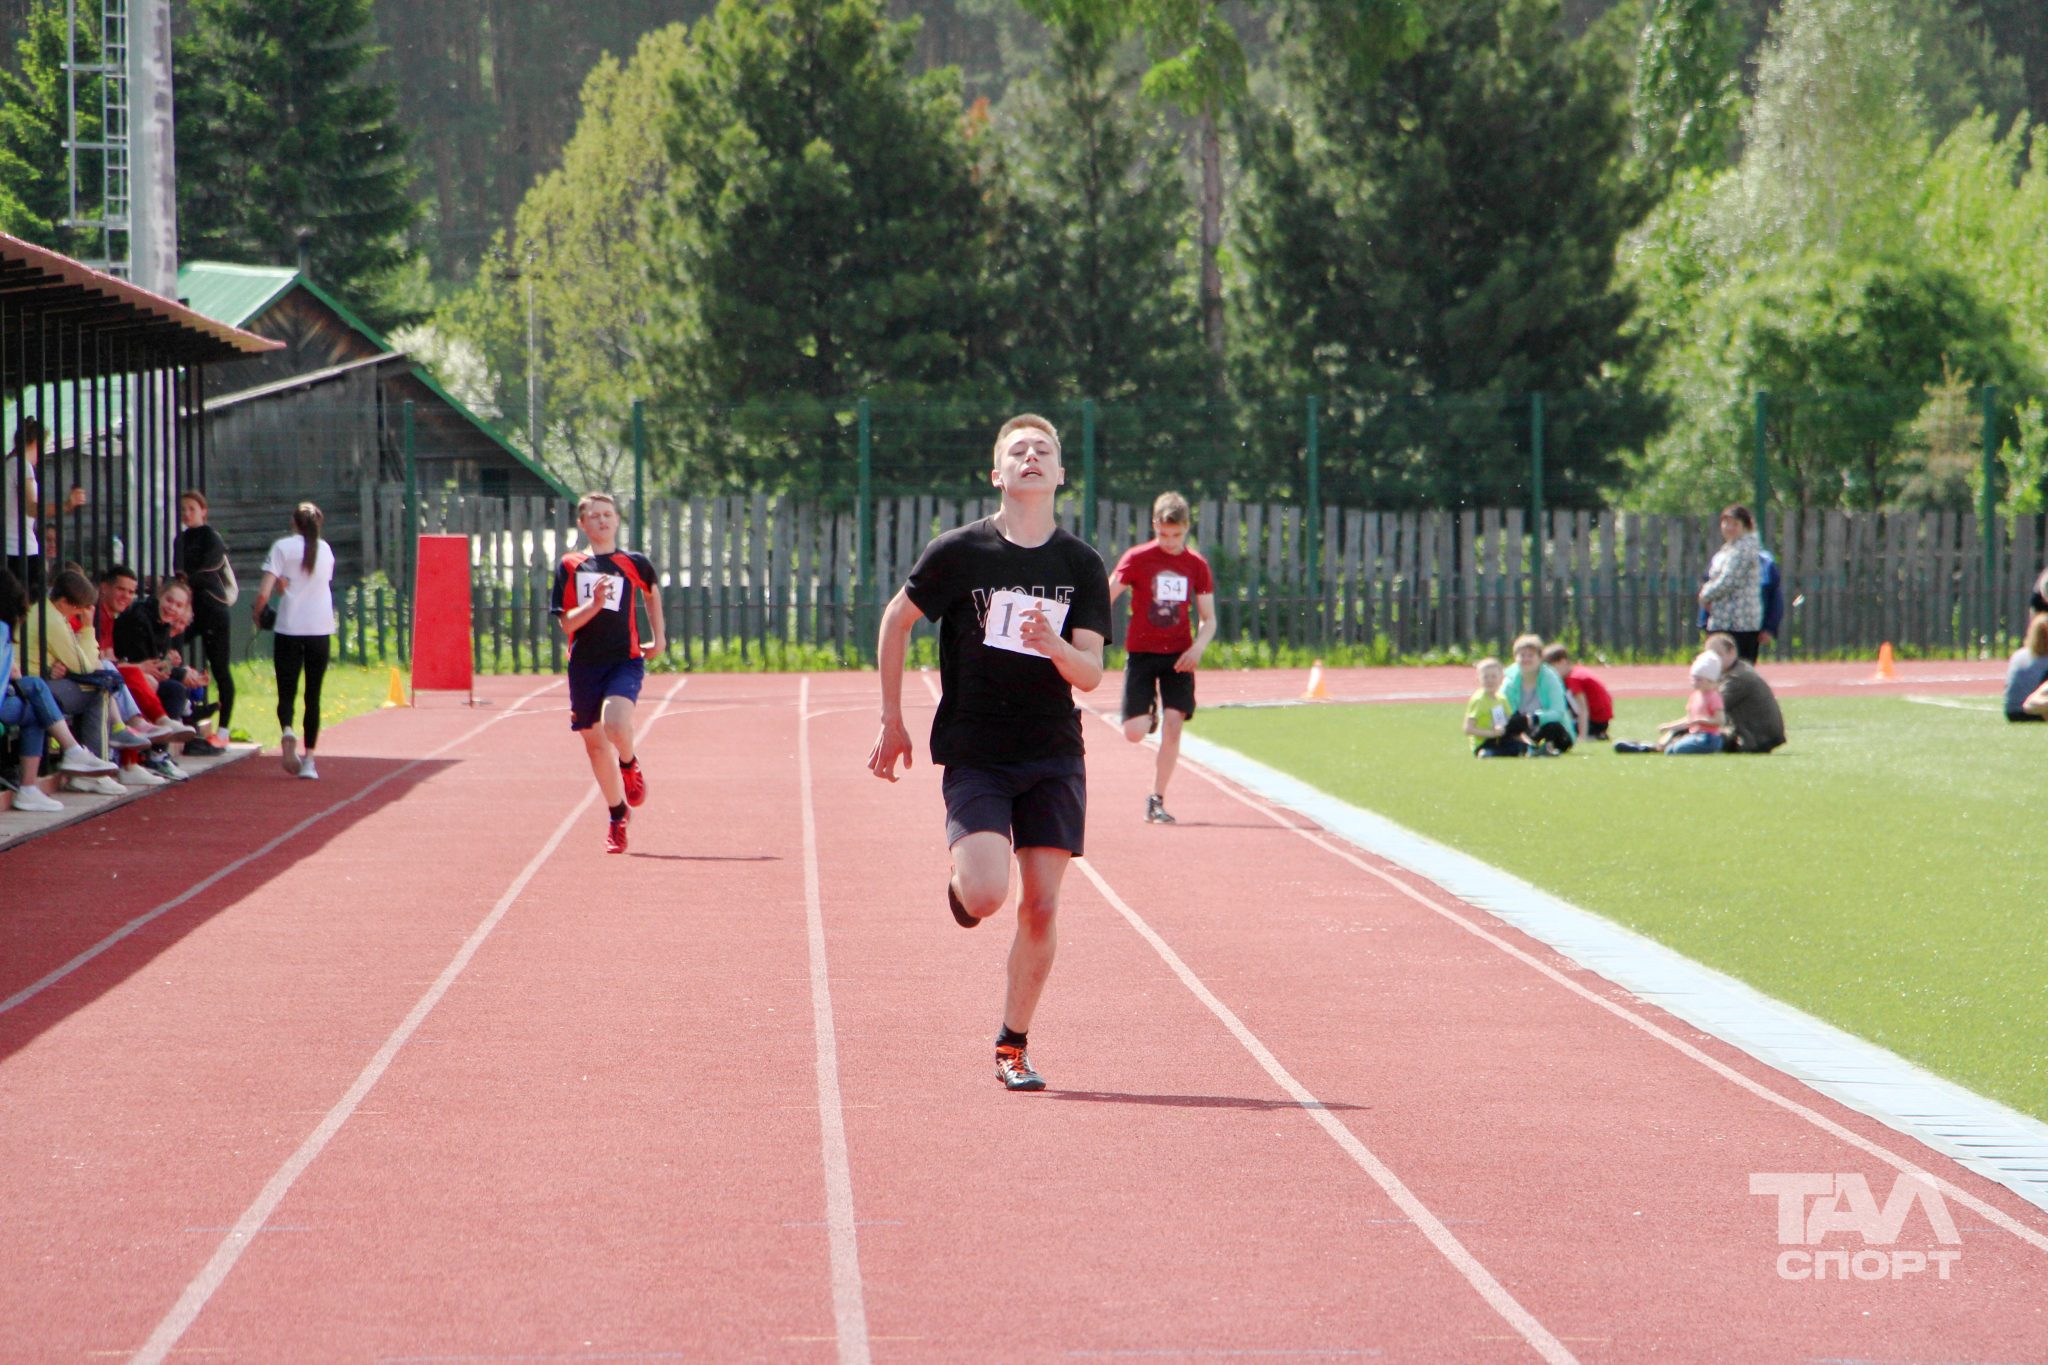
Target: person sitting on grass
(2026, 675)
(1700, 730)
(1489, 720)
(1592, 704)
(1754, 724)
(26, 703)
(1537, 693)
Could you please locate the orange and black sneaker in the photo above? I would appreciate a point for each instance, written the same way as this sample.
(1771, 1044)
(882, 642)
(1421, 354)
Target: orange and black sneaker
(615, 837)
(636, 783)
(1013, 1069)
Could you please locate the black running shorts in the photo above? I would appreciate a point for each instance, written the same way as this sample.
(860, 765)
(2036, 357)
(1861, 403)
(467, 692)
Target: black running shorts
(1145, 673)
(1040, 804)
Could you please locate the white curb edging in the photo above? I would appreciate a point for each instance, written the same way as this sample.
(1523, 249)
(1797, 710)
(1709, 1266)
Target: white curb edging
(1997, 1142)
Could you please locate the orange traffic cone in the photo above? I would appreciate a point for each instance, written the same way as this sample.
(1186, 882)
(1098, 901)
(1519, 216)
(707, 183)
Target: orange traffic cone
(394, 695)
(1886, 670)
(1318, 690)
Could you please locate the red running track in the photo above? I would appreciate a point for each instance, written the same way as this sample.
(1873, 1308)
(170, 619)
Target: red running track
(430, 1078)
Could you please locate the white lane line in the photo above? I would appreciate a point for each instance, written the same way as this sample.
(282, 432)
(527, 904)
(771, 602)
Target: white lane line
(849, 1309)
(1948, 1188)
(203, 1286)
(1478, 1276)
(1989, 707)
(29, 992)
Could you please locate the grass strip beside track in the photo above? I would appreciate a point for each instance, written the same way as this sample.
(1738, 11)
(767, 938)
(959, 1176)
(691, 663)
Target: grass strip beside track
(1879, 872)
(349, 690)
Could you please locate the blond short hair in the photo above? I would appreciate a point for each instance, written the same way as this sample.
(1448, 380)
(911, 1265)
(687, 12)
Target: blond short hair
(1522, 642)
(1556, 654)
(1022, 420)
(1171, 509)
(1721, 642)
(588, 498)
(1488, 662)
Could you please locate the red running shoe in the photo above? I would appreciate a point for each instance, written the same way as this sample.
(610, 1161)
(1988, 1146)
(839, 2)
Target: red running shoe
(636, 784)
(615, 837)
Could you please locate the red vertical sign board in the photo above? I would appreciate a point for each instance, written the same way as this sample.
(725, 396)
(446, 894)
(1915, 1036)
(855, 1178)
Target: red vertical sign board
(441, 631)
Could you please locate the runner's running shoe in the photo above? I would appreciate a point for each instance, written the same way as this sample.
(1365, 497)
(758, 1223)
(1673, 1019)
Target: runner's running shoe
(960, 915)
(1155, 811)
(288, 752)
(1013, 1069)
(636, 784)
(615, 837)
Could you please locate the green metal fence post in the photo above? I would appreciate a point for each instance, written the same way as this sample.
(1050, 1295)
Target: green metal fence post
(864, 514)
(1089, 496)
(1536, 509)
(1312, 450)
(1760, 470)
(412, 500)
(640, 473)
(1987, 511)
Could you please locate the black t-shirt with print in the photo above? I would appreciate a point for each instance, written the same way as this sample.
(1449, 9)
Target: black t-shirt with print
(612, 634)
(998, 706)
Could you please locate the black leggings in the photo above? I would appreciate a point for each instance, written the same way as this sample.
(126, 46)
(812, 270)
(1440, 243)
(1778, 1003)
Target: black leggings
(1552, 732)
(290, 653)
(214, 632)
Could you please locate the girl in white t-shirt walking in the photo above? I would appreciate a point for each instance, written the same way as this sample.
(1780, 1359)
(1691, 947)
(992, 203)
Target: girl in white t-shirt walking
(300, 568)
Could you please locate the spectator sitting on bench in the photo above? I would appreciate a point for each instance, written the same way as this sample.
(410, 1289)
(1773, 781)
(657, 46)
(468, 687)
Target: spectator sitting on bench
(158, 692)
(59, 637)
(154, 671)
(26, 703)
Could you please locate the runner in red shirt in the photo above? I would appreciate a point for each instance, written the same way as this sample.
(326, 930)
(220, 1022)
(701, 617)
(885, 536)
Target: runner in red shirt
(1162, 651)
(1589, 696)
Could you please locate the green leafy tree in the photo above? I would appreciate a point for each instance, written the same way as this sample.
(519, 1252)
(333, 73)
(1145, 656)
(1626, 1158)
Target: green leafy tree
(1686, 95)
(1431, 250)
(824, 235)
(35, 196)
(582, 244)
(2024, 461)
(281, 130)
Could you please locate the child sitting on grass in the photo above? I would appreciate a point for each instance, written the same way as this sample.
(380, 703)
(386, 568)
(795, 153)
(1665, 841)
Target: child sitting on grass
(1700, 731)
(1591, 701)
(1488, 718)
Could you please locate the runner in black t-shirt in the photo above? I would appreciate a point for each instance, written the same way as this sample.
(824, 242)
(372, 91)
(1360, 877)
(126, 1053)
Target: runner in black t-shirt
(1023, 609)
(597, 594)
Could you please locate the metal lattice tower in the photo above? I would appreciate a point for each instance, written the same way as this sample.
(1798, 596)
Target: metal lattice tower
(113, 148)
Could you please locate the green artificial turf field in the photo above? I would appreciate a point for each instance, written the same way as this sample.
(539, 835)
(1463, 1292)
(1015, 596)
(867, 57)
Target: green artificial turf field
(1885, 871)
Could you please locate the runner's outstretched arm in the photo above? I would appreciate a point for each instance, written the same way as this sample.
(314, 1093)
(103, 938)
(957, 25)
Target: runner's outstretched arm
(893, 643)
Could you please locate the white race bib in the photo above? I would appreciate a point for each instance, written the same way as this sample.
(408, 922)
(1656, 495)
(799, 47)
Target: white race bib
(589, 585)
(1170, 587)
(1006, 617)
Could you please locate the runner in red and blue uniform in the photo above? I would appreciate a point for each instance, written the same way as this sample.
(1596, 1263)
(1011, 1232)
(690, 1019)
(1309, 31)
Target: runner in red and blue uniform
(598, 596)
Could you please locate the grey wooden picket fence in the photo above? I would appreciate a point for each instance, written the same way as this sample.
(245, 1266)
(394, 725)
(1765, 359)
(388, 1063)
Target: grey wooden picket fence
(755, 572)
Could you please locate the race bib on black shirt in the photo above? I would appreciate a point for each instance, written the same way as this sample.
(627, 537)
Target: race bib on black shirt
(1005, 703)
(614, 633)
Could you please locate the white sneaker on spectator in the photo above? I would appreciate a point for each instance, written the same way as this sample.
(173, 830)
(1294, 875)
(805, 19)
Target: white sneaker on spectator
(35, 799)
(170, 731)
(139, 776)
(306, 768)
(128, 737)
(77, 759)
(98, 786)
(288, 750)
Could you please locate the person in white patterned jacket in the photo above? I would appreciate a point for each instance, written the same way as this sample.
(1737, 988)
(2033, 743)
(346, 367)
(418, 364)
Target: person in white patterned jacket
(1733, 594)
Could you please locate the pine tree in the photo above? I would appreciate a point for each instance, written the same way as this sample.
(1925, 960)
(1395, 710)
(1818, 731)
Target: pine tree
(825, 235)
(1439, 246)
(1103, 302)
(35, 194)
(280, 130)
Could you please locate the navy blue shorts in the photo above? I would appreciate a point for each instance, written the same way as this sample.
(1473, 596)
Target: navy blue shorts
(1040, 804)
(590, 684)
